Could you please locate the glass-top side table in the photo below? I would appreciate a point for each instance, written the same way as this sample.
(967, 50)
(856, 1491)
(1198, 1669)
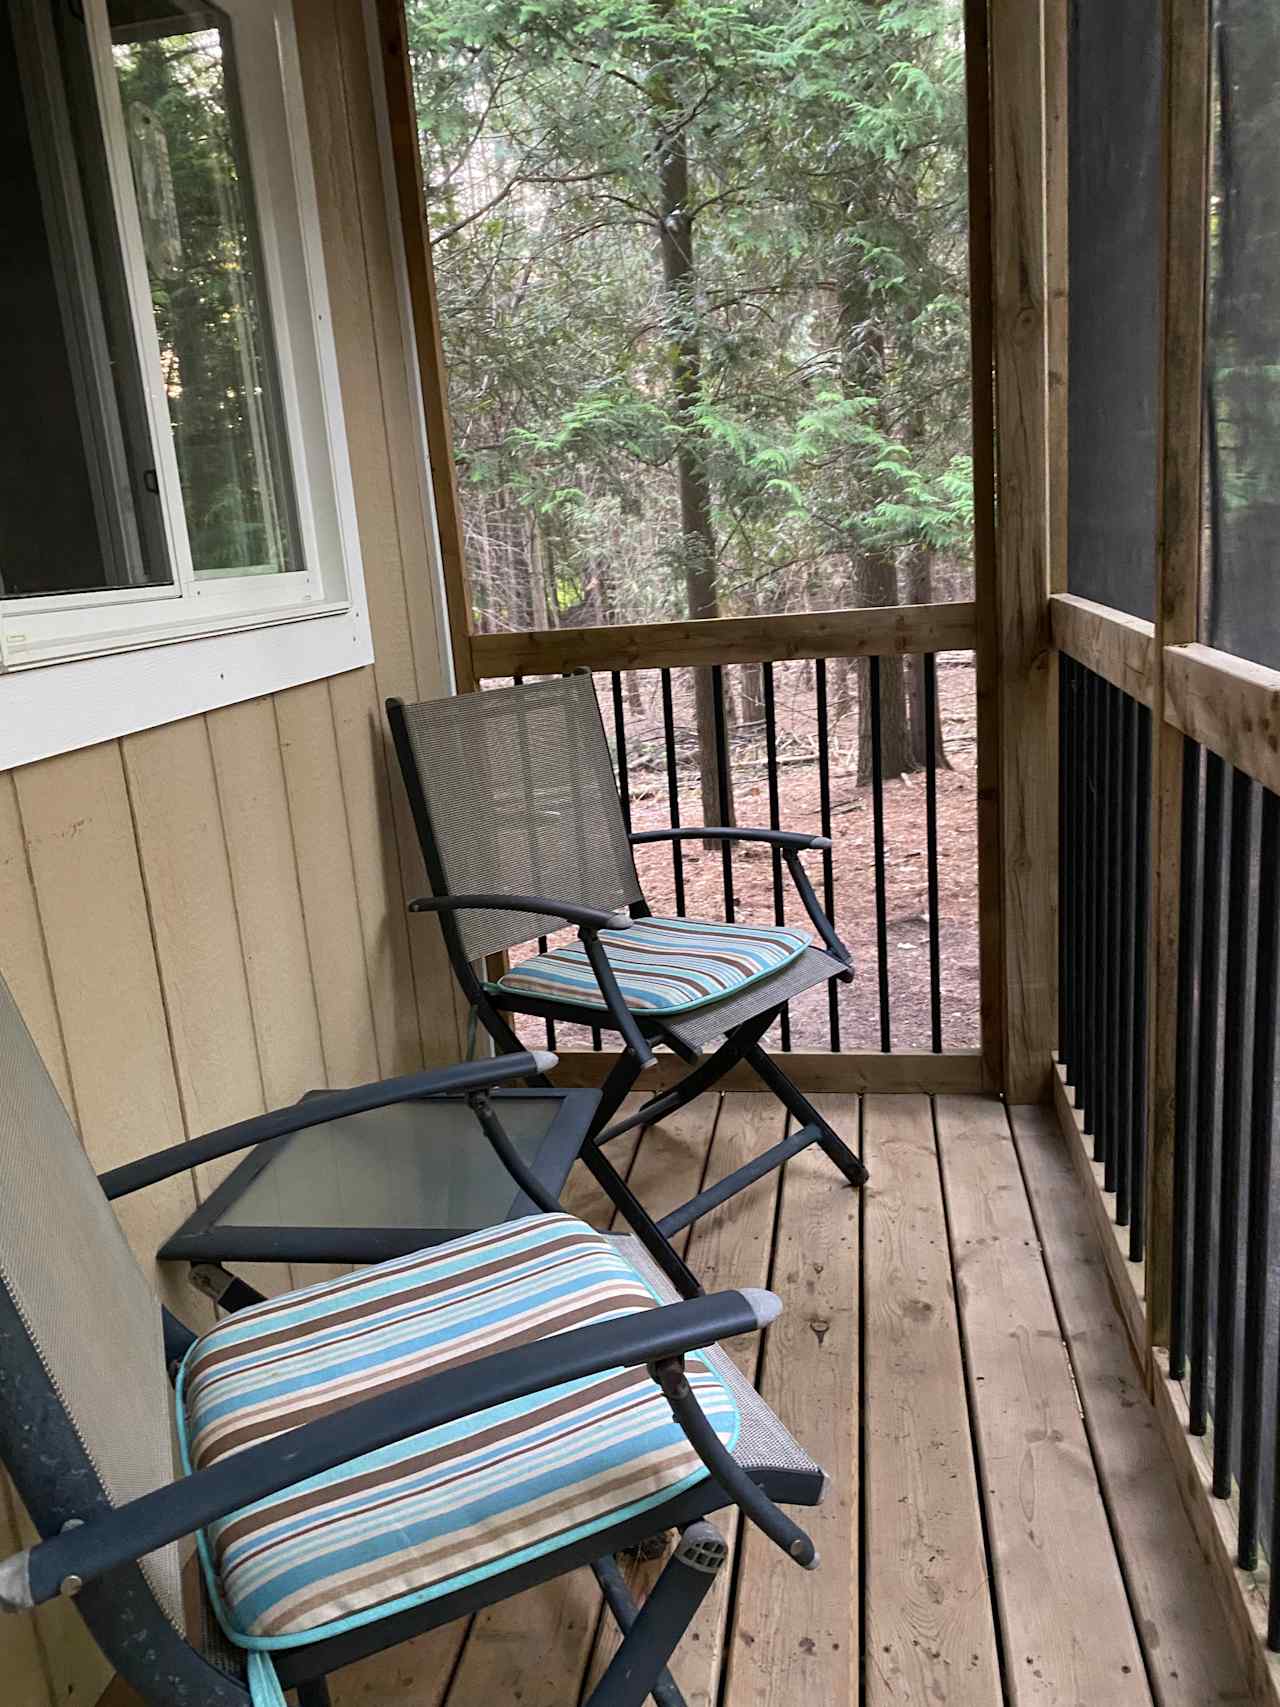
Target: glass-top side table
(385, 1183)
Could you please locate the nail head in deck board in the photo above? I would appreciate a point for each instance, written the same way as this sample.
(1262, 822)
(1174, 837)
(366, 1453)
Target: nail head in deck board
(1193, 1661)
(797, 1634)
(930, 1625)
(1068, 1634)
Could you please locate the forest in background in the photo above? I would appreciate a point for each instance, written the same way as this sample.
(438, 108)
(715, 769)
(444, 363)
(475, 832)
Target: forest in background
(702, 268)
(702, 273)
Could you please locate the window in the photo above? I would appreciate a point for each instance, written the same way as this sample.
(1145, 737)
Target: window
(171, 455)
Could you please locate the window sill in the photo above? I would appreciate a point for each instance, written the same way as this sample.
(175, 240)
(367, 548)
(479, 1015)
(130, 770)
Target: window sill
(154, 679)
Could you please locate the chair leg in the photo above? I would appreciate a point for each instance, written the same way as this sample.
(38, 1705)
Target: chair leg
(637, 1668)
(801, 1109)
(700, 1079)
(617, 1595)
(641, 1222)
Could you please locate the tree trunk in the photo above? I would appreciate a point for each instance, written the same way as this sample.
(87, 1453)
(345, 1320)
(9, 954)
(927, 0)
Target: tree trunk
(697, 535)
(919, 580)
(877, 584)
(751, 693)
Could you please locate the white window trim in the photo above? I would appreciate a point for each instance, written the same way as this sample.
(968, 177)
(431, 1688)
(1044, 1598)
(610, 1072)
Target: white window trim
(129, 658)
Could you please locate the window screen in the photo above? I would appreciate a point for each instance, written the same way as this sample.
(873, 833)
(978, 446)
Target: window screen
(1114, 278)
(1243, 567)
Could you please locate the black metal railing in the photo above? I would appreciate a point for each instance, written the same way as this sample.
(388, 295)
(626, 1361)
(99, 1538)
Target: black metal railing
(797, 720)
(1226, 1235)
(1104, 918)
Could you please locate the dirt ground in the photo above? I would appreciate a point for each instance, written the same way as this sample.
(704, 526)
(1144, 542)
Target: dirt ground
(853, 858)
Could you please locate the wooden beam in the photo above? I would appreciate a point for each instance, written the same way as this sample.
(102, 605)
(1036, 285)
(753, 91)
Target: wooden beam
(1227, 704)
(1180, 525)
(1027, 723)
(958, 1071)
(1117, 647)
(425, 308)
(987, 651)
(887, 629)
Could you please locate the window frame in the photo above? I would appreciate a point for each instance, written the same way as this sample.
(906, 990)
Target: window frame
(77, 630)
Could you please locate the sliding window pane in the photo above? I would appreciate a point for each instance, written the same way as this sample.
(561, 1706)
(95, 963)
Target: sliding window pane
(175, 67)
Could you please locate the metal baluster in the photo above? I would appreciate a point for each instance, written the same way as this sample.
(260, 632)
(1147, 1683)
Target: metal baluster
(775, 820)
(620, 745)
(673, 789)
(1235, 998)
(1262, 1113)
(1138, 1046)
(722, 782)
(931, 846)
(1127, 815)
(1092, 887)
(1111, 903)
(1065, 893)
(1207, 1089)
(1186, 1048)
(877, 806)
(1079, 898)
(824, 809)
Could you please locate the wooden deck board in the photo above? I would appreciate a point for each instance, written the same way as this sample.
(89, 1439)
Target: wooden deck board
(1068, 1632)
(1192, 1661)
(930, 1632)
(797, 1634)
(977, 1466)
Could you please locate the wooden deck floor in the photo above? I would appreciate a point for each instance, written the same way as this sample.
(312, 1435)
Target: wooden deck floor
(1004, 1525)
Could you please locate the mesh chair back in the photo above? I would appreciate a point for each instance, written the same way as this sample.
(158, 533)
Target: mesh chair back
(89, 1314)
(520, 799)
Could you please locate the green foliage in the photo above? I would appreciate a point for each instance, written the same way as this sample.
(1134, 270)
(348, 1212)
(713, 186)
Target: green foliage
(826, 303)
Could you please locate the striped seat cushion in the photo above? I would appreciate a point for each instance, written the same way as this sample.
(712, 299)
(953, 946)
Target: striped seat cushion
(455, 1504)
(662, 965)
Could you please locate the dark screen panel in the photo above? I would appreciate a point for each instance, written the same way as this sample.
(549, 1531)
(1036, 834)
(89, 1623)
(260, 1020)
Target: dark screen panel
(1243, 602)
(1114, 294)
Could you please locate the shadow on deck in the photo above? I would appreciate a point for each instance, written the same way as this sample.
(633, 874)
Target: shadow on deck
(1004, 1524)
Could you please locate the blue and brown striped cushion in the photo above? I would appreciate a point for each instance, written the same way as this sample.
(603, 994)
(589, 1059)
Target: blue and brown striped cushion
(452, 1505)
(662, 965)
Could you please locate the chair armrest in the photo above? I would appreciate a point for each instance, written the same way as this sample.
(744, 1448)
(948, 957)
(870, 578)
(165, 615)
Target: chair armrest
(316, 1109)
(733, 833)
(112, 1538)
(588, 918)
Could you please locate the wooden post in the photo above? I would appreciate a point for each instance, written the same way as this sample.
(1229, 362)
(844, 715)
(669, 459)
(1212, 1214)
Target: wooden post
(987, 642)
(1179, 533)
(407, 163)
(1027, 722)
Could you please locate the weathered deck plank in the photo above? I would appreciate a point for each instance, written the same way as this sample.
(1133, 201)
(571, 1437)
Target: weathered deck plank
(930, 1630)
(797, 1634)
(1190, 1661)
(1068, 1632)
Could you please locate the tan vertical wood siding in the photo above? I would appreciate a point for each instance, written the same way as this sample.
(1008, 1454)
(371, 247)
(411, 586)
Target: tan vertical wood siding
(207, 919)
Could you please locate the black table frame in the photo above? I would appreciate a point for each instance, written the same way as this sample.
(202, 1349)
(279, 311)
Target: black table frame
(201, 1239)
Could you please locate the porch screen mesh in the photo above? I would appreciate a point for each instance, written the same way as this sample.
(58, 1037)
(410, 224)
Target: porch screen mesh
(1114, 278)
(1243, 580)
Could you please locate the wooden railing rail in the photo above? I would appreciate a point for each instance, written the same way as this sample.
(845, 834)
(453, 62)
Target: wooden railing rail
(1118, 647)
(1227, 704)
(882, 630)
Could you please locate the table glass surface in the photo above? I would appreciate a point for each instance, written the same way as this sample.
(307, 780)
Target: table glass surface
(410, 1165)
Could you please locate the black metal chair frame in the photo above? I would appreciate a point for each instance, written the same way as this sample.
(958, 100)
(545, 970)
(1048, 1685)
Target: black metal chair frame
(639, 1031)
(91, 1548)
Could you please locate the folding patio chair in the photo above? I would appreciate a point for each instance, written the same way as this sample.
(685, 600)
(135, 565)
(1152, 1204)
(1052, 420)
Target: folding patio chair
(368, 1458)
(522, 831)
